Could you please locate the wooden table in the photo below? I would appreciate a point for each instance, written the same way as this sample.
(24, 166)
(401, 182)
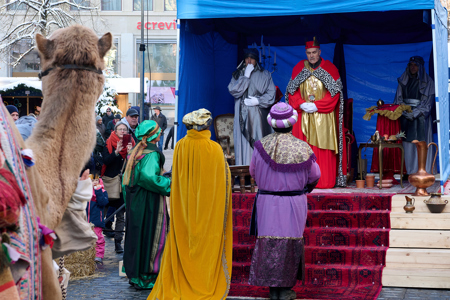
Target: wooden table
(242, 171)
(380, 147)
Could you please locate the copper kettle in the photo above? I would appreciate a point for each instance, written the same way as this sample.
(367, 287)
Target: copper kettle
(422, 179)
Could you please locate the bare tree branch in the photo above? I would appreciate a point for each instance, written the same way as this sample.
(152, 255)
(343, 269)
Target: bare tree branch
(23, 19)
(18, 59)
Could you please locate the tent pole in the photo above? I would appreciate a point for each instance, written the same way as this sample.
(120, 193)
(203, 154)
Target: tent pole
(142, 48)
(177, 73)
(436, 89)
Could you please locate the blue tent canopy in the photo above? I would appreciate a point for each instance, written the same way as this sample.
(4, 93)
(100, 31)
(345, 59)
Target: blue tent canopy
(204, 9)
(369, 41)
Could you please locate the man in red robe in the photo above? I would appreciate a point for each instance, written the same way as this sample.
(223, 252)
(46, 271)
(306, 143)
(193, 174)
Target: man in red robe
(315, 91)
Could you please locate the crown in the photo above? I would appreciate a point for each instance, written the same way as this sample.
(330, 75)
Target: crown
(312, 44)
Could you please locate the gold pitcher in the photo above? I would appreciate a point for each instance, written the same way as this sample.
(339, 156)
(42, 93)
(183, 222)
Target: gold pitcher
(421, 179)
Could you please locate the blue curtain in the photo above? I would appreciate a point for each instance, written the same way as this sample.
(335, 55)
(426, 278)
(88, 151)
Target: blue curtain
(206, 64)
(372, 73)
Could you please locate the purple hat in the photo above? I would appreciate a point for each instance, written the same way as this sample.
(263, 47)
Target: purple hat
(282, 115)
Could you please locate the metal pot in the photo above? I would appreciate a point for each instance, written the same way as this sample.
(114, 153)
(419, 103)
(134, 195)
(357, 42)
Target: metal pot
(436, 208)
(435, 199)
(435, 204)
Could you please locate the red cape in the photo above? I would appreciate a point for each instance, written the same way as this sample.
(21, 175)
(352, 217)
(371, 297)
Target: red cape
(327, 105)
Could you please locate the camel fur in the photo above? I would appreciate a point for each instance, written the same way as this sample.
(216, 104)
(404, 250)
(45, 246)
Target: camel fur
(64, 137)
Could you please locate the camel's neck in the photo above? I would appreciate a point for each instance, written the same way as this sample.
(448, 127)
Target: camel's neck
(64, 137)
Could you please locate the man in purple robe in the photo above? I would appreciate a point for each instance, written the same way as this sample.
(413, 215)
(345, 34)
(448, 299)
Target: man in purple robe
(285, 169)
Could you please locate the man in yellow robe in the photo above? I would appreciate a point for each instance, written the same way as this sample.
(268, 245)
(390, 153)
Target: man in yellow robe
(197, 258)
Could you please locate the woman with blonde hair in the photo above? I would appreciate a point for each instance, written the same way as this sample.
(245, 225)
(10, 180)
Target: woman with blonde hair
(147, 218)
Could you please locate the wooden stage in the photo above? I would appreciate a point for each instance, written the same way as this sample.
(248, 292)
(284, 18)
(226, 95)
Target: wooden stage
(419, 250)
(419, 243)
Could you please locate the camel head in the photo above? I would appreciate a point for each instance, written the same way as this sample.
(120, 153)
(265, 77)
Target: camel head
(74, 45)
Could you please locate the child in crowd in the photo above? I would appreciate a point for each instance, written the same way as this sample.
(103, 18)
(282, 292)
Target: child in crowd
(95, 216)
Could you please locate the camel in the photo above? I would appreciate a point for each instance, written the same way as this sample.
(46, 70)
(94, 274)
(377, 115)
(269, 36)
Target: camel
(64, 137)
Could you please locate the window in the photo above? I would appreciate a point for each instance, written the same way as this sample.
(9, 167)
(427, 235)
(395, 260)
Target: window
(148, 5)
(30, 63)
(112, 5)
(111, 59)
(170, 5)
(81, 3)
(163, 68)
(16, 6)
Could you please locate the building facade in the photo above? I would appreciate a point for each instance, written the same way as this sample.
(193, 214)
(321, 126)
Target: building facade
(123, 19)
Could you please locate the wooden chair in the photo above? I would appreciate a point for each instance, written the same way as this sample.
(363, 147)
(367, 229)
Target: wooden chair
(241, 172)
(223, 127)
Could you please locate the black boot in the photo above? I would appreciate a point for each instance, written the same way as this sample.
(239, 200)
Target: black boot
(274, 293)
(118, 247)
(108, 233)
(287, 294)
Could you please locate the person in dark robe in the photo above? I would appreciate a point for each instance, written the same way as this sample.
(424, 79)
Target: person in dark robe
(416, 89)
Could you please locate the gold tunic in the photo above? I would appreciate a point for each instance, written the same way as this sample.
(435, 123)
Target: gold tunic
(319, 129)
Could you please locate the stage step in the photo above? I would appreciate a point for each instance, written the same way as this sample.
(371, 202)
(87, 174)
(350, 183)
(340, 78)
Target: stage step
(406, 258)
(417, 278)
(342, 256)
(242, 217)
(242, 253)
(438, 239)
(398, 201)
(420, 220)
(364, 237)
(343, 219)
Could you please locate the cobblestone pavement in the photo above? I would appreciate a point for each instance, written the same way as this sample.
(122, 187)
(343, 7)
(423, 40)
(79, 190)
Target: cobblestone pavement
(107, 284)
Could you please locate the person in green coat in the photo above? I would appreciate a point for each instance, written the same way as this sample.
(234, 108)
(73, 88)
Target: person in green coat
(146, 210)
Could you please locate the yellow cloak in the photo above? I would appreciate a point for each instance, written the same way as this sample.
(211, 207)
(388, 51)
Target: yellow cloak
(197, 257)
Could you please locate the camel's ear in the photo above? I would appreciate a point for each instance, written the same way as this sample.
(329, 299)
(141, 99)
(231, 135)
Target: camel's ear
(104, 44)
(44, 46)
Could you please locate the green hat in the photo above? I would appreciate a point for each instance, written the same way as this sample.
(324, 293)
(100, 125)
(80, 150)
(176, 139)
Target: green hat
(147, 127)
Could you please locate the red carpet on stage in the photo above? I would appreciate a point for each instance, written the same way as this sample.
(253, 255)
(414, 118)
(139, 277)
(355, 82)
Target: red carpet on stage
(346, 239)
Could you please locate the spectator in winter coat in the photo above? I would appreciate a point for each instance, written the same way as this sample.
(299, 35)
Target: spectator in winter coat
(13, 111)
(25, 125)
(114, 155)
(170, 137)
(108, 117)
(110, 126)
(95, 216)
(98, 153)
(100, 126)
(131, 120)
(161, 119)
